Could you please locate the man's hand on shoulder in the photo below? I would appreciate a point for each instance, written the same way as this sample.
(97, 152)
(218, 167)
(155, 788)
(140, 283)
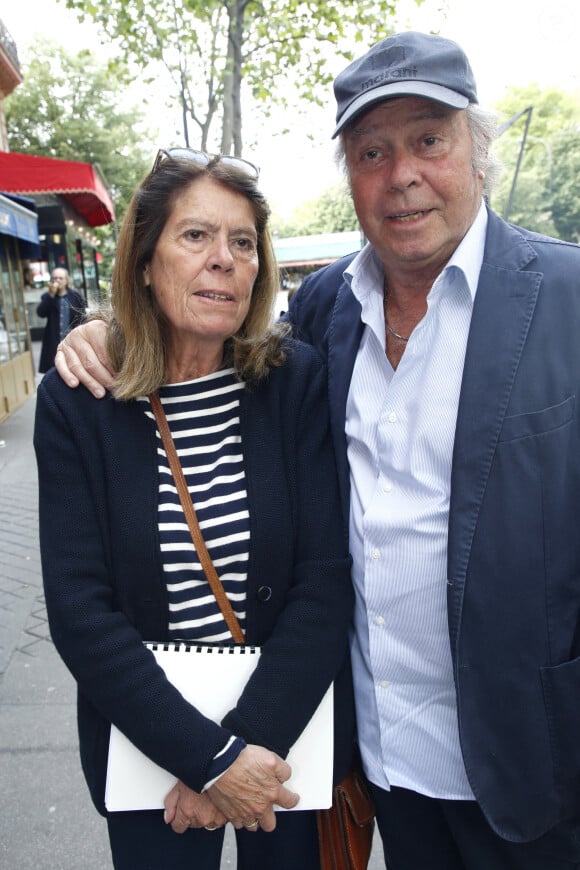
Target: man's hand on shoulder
(81, 358)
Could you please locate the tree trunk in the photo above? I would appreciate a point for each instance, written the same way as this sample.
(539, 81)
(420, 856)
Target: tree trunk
(240, 7)
(232, 110)
(228, 109)
(227, 115)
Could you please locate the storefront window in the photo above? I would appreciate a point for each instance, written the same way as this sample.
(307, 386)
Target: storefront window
(14, 335)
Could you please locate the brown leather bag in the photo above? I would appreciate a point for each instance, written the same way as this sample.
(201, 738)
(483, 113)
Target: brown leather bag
(345, 831)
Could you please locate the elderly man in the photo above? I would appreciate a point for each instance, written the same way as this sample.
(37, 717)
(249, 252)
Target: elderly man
(453, 350)
(64, 309)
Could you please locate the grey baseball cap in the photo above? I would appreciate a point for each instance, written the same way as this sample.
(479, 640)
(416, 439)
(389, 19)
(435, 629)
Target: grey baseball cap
(406, 64)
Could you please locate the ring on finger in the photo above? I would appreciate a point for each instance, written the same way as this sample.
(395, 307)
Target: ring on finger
(253, 824)
(211, 827)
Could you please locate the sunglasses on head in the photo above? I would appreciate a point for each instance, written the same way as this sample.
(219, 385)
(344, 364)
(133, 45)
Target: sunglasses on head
(203, 159)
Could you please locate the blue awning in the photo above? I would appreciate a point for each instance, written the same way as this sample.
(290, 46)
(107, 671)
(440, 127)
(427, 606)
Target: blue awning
(17, 221)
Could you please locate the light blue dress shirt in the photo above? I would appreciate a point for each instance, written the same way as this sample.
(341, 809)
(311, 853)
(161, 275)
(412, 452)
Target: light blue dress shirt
(400, 428)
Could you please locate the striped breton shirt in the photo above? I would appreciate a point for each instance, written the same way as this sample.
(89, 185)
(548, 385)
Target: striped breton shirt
(204, 419)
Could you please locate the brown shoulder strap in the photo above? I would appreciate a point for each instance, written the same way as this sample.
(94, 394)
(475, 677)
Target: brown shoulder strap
(190, 515)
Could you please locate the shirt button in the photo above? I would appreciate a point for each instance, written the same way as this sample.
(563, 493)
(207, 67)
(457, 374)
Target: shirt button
(376, 554)
(379, 620)
(387, 487)
(384, 684)
(392, 418)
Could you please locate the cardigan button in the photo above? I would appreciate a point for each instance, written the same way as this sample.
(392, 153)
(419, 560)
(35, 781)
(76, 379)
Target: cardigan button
(264, 593)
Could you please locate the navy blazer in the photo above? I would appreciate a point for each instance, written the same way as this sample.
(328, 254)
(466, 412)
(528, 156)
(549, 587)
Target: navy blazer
(514, 546)
(105, 589)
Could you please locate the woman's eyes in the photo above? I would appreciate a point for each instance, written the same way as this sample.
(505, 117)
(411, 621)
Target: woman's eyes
(244, 244)
(195, 235)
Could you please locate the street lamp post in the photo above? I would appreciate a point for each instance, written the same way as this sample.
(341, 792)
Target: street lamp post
(528, 112)
(548, 148)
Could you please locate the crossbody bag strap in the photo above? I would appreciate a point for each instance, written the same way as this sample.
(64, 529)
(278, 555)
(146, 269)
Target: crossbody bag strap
(190, 515)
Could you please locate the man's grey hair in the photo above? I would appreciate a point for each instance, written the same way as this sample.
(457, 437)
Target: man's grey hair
(483, 129)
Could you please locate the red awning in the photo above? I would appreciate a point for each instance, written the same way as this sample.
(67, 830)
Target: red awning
(79, 183)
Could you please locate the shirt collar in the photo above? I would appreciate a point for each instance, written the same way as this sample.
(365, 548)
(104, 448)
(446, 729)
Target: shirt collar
(366, 271)
(468, 256)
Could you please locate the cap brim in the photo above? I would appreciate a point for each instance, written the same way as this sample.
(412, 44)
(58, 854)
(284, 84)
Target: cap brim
(401, 89)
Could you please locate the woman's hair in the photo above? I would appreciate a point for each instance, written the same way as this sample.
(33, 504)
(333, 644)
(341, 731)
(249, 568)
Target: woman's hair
(483, 130)
(136, 339)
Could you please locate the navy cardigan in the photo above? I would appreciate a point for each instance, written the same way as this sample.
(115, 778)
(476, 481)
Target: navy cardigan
(104, 585)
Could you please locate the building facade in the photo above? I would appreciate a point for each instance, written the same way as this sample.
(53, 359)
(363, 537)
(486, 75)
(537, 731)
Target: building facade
(18, 241)
(10, 77)
(18, 244)
(71, 199)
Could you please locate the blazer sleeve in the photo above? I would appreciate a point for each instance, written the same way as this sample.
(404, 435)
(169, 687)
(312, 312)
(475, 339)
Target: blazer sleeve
(311, 307)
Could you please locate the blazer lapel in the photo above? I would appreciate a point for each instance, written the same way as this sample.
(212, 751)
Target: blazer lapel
(503, 309)
(343, 342)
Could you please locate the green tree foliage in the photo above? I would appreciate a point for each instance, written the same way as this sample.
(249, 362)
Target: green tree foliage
(566, 184)
(547, 192)
(332, 212)
(69, 107)
(276, 51)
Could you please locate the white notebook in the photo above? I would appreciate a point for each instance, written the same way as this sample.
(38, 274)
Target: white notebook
(212, 679)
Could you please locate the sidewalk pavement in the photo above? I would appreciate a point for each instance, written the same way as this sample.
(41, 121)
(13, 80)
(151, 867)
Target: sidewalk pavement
(47, 820)
(46, 816)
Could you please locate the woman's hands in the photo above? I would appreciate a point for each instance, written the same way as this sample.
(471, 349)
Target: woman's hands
(244, 795)
(81, 358)
(185, 808)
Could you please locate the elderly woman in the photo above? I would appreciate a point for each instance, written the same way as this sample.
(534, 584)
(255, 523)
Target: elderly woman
(192, 293)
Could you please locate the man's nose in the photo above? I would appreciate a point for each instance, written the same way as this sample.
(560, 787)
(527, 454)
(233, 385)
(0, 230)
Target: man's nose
(403, 171)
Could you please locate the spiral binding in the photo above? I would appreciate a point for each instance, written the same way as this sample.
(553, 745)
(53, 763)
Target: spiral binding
(184, 646)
